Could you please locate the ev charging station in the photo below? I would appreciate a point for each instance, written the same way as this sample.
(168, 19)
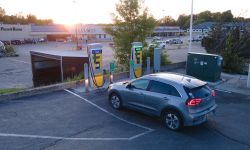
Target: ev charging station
(95, 64)
(136, 60)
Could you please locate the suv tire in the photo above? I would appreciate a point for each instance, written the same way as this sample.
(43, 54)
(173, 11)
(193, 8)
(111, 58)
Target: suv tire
(115, 101)
(172, 120)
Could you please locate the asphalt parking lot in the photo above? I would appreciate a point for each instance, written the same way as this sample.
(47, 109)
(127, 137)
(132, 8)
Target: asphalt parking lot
(70, 120)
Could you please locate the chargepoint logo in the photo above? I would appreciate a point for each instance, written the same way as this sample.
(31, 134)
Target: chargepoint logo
(10, 29)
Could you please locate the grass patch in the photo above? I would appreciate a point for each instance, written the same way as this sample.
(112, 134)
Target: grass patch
(75, 78)
(7, 91)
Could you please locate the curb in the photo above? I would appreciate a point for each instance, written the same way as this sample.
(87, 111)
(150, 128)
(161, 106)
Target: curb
(41, 90)
(73, 84)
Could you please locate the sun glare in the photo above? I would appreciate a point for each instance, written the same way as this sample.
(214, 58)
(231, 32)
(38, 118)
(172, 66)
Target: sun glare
(83, 12)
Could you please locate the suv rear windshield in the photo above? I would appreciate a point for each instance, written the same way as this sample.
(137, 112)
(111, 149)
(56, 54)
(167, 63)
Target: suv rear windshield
(198, 92)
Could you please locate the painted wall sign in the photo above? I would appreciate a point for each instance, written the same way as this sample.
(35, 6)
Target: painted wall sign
(10, 29)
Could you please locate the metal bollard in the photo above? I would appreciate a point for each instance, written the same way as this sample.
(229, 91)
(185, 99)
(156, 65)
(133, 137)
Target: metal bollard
(111, 78)
(86, 77)
(148, 65)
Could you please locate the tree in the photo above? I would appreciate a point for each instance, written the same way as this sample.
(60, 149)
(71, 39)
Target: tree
(232, 44)
(183, 21)
(167, 21)
(204, 16)
(232, 61)
(216, 39)
(2, 12)
(227, 16)
(131, 23)
(19, 18)
(31, 18)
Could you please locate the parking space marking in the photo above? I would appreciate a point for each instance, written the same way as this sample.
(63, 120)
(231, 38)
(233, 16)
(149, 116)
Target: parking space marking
(62, 138)
(111, 114)
(19, 61)
(149, 130)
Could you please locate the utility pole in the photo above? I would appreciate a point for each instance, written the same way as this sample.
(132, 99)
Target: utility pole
(191, 28)
(76, 28)
(76, 37)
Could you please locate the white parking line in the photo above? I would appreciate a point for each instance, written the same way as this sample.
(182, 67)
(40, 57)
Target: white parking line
(149, 130)
(62, 138)
(104, 110)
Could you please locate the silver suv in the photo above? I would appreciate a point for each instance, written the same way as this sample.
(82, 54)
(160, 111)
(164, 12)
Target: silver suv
(179, 100)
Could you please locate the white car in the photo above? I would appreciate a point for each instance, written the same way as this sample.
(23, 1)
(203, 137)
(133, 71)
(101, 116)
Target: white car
(197, 38)
(174, 41)
(2, 47)
(160, 44)
(157, 38)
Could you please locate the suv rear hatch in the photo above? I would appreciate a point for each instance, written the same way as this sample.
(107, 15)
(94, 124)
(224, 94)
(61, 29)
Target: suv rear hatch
(200, 98)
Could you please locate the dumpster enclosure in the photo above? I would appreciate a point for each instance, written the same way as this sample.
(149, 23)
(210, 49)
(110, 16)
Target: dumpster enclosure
(53, 66)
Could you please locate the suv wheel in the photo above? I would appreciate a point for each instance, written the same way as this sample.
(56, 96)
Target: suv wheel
(115, 101)
(172, 120)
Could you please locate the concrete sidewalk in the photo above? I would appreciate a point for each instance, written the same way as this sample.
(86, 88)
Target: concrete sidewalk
(234, 83)
(229, 83)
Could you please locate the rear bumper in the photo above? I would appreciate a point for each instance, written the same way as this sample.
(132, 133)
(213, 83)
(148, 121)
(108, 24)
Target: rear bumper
(199, 118)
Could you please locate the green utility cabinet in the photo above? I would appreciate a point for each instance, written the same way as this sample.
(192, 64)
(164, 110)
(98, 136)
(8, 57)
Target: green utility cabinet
(204, 66)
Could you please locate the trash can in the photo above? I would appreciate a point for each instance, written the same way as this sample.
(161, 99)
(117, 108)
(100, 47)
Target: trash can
(204, 66)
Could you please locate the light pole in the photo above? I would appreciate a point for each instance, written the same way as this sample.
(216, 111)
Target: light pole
(76, 29)
(163, 21)
(191, 28)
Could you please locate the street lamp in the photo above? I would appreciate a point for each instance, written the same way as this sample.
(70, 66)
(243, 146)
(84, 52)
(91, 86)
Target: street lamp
(191, 28)
(76, 29)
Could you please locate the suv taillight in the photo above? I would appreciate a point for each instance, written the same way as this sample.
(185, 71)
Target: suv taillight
(193, 102)
(213, 93)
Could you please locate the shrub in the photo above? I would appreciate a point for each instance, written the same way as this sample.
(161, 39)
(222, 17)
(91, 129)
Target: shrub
(9, 50)
(232, 63)
(149, 52)
(80, 76)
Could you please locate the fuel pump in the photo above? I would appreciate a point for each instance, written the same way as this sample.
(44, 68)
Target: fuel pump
(136, 60)
(95, 64)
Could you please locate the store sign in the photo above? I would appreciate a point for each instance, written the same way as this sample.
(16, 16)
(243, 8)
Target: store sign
(11, 29)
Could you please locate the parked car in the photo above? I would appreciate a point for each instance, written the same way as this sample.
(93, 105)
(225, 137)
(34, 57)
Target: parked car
(41, 40)
(157, 38)
(157, 43)
(6, 42)
(174, 41)
(197, 38)
(179, 100)
(16, 42)
(28, 41)
(2, 47)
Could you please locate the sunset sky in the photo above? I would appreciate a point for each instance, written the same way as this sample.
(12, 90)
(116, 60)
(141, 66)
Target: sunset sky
(98, 11)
